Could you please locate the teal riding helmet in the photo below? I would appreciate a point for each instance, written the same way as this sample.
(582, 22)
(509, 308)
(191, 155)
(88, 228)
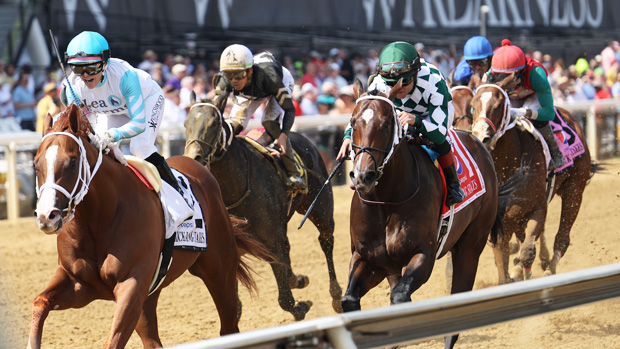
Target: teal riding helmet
(87, 47)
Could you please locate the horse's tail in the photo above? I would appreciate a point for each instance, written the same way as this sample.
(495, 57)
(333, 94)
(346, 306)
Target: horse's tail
(505, 199)
(246, 244)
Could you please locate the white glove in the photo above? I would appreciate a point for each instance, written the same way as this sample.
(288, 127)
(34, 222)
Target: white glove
(117, 153)
(101, 140)
(516, 112)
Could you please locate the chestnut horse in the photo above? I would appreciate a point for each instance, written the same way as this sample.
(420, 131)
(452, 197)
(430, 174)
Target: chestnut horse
(461, 99)
(253, 190)
(512, 148)
(396, 210)
(110, 232)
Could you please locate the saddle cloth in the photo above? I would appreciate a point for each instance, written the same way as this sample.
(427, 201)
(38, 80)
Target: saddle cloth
(568, 141)
(183, 214)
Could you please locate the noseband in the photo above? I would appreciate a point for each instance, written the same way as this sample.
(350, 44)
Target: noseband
(84, 176)
(505, 123)
(389, 150)
(222, 143)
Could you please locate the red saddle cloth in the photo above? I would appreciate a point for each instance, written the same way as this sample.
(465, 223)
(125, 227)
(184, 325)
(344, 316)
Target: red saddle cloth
(468, 172)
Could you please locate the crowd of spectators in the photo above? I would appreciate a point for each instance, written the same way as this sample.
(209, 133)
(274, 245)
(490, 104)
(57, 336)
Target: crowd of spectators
(323, 82)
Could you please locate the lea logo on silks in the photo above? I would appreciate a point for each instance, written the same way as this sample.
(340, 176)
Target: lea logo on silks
(114, 101)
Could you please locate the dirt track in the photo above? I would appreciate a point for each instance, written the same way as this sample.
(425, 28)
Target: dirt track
(186, 312)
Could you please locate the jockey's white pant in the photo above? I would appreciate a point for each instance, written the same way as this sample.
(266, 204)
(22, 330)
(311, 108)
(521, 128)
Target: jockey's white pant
(243, 109)
(143, 144)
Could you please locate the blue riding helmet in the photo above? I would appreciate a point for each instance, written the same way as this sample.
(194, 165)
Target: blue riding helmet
(87, 47)
(477, 47)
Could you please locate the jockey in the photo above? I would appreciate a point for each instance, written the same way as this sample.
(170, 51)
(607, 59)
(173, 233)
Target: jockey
(256, 79)
(122, 101)
(424, 93)
(478, 53)
(461, 74)
(531, 96)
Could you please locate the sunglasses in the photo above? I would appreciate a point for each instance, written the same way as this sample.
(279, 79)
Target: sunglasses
(477, 63)
(406, 81)
(236, 75)
(394, 69)
(89, 69)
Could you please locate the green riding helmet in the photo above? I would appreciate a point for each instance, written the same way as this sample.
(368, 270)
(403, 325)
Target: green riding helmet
(398, 60)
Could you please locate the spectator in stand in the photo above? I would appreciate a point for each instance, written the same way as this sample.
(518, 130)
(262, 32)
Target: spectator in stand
(308, 99)
(615, 89)
(311, 75)
(49, 104)
(179, 71)
(333, 75)
(174, 115)
(608, 55)
(330, 89)
(601, 90)
(372, 61)
(296, 97)
(345, 102)
(6, 100)
(157, 74)
(9, 74)
(200, 88)
(187, 86)
(324, 104)
(24, 103)
(149, 57)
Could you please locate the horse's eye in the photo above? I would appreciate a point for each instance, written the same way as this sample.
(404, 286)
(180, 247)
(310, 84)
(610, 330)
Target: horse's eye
(73, 163)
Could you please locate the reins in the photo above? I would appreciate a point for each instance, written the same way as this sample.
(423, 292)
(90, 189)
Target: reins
(85, 176)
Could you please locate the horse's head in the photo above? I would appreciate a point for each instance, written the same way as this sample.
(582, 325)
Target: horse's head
(62, 168)
(461, 99)
(375, 131)
(203, 129)
(490, 111)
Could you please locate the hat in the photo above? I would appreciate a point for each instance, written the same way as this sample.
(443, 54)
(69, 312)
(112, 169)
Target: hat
(307, 87)
(177, 68)
(334, 52)
(334, 66)
(49, 87)
(324, 99)
(507, 59)
(347, 90)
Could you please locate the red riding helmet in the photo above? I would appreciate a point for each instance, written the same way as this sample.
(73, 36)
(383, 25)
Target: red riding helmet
(507, 58)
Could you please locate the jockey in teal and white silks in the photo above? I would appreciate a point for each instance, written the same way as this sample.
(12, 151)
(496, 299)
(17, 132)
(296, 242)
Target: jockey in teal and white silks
(124, 102)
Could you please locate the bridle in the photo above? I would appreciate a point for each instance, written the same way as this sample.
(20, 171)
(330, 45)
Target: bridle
(389, 150)
(85, 176)
(221, 144)
(505, 123)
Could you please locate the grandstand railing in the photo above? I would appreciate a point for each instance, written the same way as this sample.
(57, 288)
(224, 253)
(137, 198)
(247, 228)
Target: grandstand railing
(586, 113)
(414, 322)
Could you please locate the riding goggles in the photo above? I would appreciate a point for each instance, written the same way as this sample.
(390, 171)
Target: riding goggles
(236, 75)
(89, 69)
(406, 81)
(394, 69)
(477, 62)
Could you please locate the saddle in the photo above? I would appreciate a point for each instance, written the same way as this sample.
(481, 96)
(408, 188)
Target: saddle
(277, 163)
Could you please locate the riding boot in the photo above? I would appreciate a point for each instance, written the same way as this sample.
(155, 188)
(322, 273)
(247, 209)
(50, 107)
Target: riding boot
(453, 185)
(557, 159)
(295, 179)
(164, 170)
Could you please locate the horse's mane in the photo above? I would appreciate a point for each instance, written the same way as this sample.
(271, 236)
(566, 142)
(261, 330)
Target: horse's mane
(63, 123)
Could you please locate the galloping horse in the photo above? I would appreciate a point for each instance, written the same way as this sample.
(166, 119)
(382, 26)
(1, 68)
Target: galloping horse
(110, 232)
(253, 190)
(396, 210)
(461, 99)
(513, 147)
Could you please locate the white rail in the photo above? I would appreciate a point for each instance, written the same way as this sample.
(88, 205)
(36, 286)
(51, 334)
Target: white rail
(414, 322)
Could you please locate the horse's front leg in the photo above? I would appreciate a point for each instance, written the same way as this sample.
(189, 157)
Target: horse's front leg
(61, 293)
(130, 295)
(527, 254)
(415, 274)
(361, 279)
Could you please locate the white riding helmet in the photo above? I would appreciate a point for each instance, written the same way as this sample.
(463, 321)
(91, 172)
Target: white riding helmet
(235, 58)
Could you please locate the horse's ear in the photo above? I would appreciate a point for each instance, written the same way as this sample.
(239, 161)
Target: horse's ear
(358, 88)
(220, 102)
(395, 89)
(192, 97)
(48, 122)
(74, 119)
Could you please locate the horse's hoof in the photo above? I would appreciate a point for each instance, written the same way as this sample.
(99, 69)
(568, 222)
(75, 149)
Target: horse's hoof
(301, 309)
(350, 304)
(337, 305)
(302, 281)
(548, 273)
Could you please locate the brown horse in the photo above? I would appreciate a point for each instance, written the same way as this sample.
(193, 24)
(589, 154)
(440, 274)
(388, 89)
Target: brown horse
(461, 99)
(513, 147)
(253, 190)
(110, 232)
(396, 210)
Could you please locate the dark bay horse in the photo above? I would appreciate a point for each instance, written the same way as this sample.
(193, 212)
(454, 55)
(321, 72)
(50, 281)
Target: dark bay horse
(253, 190)
(396, 210)
(512, 147)
(110, 232)
(461, 99)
